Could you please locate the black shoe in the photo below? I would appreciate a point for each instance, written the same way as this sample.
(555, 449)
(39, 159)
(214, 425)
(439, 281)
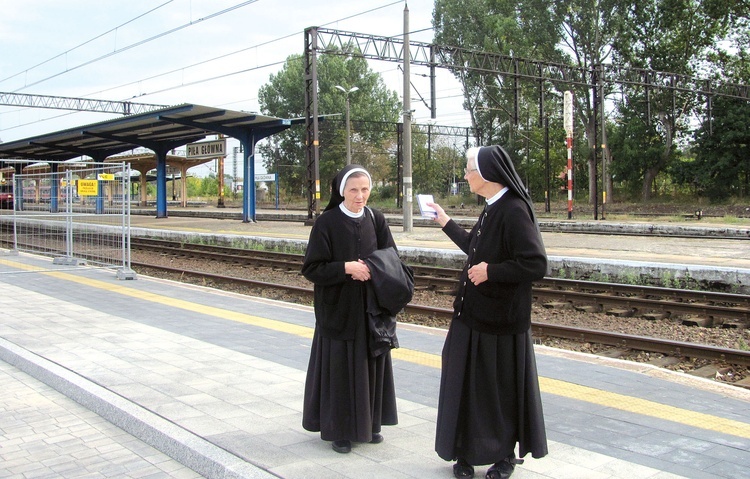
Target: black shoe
(503, 469)
(376, 438)
(342, 446)
(462, 469)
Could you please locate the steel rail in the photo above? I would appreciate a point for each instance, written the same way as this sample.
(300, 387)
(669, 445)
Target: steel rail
(664, 346)
(642, 343)
(722, 307)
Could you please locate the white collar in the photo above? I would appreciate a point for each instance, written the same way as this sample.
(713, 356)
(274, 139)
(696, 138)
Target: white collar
(349, 213)
(497, 196)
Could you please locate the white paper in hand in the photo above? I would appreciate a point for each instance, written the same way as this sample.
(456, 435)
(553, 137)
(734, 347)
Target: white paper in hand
(426, 211)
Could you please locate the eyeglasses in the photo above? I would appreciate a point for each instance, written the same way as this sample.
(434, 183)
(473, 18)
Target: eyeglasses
(467, 171)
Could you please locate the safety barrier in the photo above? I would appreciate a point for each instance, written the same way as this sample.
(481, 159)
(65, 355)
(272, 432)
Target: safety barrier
(78, 213)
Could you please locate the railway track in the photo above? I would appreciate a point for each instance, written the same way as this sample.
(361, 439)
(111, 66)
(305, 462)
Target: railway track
(554, 290)
(700, 308)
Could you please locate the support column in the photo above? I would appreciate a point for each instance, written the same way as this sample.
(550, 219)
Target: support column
(183, 185)
(144, 188)
(161, 184)
(99, 203)
(248, 180)
(54, 188)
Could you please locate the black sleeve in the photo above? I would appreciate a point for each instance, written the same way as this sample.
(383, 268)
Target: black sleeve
(382, 230)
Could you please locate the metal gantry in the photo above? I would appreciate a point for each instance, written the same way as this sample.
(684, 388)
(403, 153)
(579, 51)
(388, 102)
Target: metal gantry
(77, 104)
(431, 55)
(561, 76)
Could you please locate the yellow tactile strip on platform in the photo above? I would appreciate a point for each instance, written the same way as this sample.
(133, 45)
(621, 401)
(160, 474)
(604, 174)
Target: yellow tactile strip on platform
(552, 386)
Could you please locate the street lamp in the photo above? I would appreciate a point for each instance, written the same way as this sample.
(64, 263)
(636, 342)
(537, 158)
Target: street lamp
(348, 126)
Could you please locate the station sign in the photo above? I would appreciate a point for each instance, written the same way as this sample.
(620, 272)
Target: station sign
(207, 149)
(266, 177)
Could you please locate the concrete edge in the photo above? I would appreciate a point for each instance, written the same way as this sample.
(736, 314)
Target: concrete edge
(178, 443)
(736, 277)
(697, 382)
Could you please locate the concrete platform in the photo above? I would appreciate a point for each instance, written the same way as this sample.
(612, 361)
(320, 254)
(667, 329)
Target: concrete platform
(193, 381)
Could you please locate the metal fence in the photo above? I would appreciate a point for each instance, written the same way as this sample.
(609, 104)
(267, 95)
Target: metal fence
(77, 213)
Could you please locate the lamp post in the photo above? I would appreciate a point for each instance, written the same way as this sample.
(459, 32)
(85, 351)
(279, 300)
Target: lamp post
(348, 126)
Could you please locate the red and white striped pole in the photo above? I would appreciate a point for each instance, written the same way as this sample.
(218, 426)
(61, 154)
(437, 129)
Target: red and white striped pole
(568, 124)
(569, 143)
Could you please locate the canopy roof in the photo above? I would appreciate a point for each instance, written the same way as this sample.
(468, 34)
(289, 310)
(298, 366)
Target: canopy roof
(162, 129)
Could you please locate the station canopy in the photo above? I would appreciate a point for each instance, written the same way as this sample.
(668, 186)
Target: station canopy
(162, 129)
(159, 130)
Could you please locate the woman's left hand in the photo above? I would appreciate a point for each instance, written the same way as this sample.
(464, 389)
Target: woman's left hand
(478, 273)
(358, 270)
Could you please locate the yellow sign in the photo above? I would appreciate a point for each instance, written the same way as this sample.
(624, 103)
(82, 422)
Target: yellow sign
(88, 187)
(106, 177)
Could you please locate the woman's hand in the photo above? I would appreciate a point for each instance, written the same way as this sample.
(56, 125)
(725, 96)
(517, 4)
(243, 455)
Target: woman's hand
(441, 217)
(358, 270)
(478, 273)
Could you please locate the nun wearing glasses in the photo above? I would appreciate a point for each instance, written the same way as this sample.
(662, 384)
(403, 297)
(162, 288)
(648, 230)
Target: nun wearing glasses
(489, 404)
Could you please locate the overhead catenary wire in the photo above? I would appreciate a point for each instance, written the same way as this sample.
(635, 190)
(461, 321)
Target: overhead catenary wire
(138, 43)
(70, 50)
(183, 84)
(217, 77)
(219, 57)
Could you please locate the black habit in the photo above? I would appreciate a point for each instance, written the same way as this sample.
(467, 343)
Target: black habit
(348, 393)
(489, 390)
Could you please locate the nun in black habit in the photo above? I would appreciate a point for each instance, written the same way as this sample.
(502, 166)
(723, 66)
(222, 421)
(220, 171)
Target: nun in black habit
(489, 391)
(349, 393)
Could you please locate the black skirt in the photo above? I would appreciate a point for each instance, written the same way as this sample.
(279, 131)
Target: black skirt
(489, 398)
(348, 393)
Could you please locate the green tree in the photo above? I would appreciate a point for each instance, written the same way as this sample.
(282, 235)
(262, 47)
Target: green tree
(635, 144)
(685, 37)
(676, 36)
(450, 162)
(208, 186)
(722, 162)
(577, 33)
(283, 96)
(193, 186)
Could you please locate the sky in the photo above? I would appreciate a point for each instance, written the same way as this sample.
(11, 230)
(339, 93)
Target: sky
(215, 53)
